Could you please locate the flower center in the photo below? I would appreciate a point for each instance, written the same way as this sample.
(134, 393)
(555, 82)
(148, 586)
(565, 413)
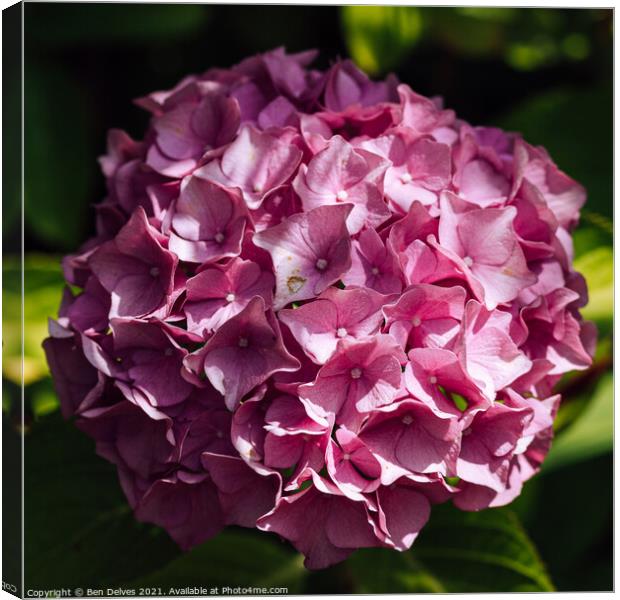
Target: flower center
(468, 261)
(406, 178)
(154, 271)
(432, 379)
(342, 195)
(230, 297)
(375, 270)
(243, 342)
(321, 264)
(416, 321)
(168, 351)
(341, 332)
(407, 420)
(356, 372)
(346, 456)
(219, 237)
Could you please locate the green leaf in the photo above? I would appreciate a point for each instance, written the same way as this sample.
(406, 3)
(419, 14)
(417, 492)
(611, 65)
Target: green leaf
(577, 387)
(110, 24)
(591, 434)
(11, 161)
(381, 571)
(597, 266)
(457, 551)
(42, 398)
(79, 530)
(11, 497)
(587, 238)
(379, 37)
(525, 40)
(235, 558)
(575, 536)
(60, 156)
(43, 285)
(476, 32)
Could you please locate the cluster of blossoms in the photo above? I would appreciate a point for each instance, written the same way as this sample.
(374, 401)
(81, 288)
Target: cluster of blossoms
(318, 304)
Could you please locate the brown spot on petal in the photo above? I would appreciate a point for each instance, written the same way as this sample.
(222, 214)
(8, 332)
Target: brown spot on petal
(294, 284)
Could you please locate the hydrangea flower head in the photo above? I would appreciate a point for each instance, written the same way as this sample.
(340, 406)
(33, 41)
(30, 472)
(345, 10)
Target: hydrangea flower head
(318, 305)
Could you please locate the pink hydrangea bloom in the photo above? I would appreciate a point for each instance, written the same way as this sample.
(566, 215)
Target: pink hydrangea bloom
(340, 173)
(243, 353)
(309, 251)
(219, 293)
(317, 305)
(335, 315)
(199, 118)
(207, 222)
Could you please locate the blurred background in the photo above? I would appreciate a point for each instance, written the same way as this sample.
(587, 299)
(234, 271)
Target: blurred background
(544, 72)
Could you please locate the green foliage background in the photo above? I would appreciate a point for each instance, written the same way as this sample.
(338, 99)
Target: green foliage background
(544, 72)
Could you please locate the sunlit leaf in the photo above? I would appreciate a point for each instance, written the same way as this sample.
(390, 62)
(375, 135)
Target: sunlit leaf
(532, 54)
(43, 284)
(586, 238)
(598, 269)
(526, 40)
(43, 398)
(379, 37)
(591, 434)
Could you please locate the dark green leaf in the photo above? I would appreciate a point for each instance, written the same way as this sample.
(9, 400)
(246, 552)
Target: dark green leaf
(458, 552)
(470, 31)
(60, 157)
(570, 518)
(114, 23)
(11, 182)
(380, 571)
(235, 559)
(79, 530)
